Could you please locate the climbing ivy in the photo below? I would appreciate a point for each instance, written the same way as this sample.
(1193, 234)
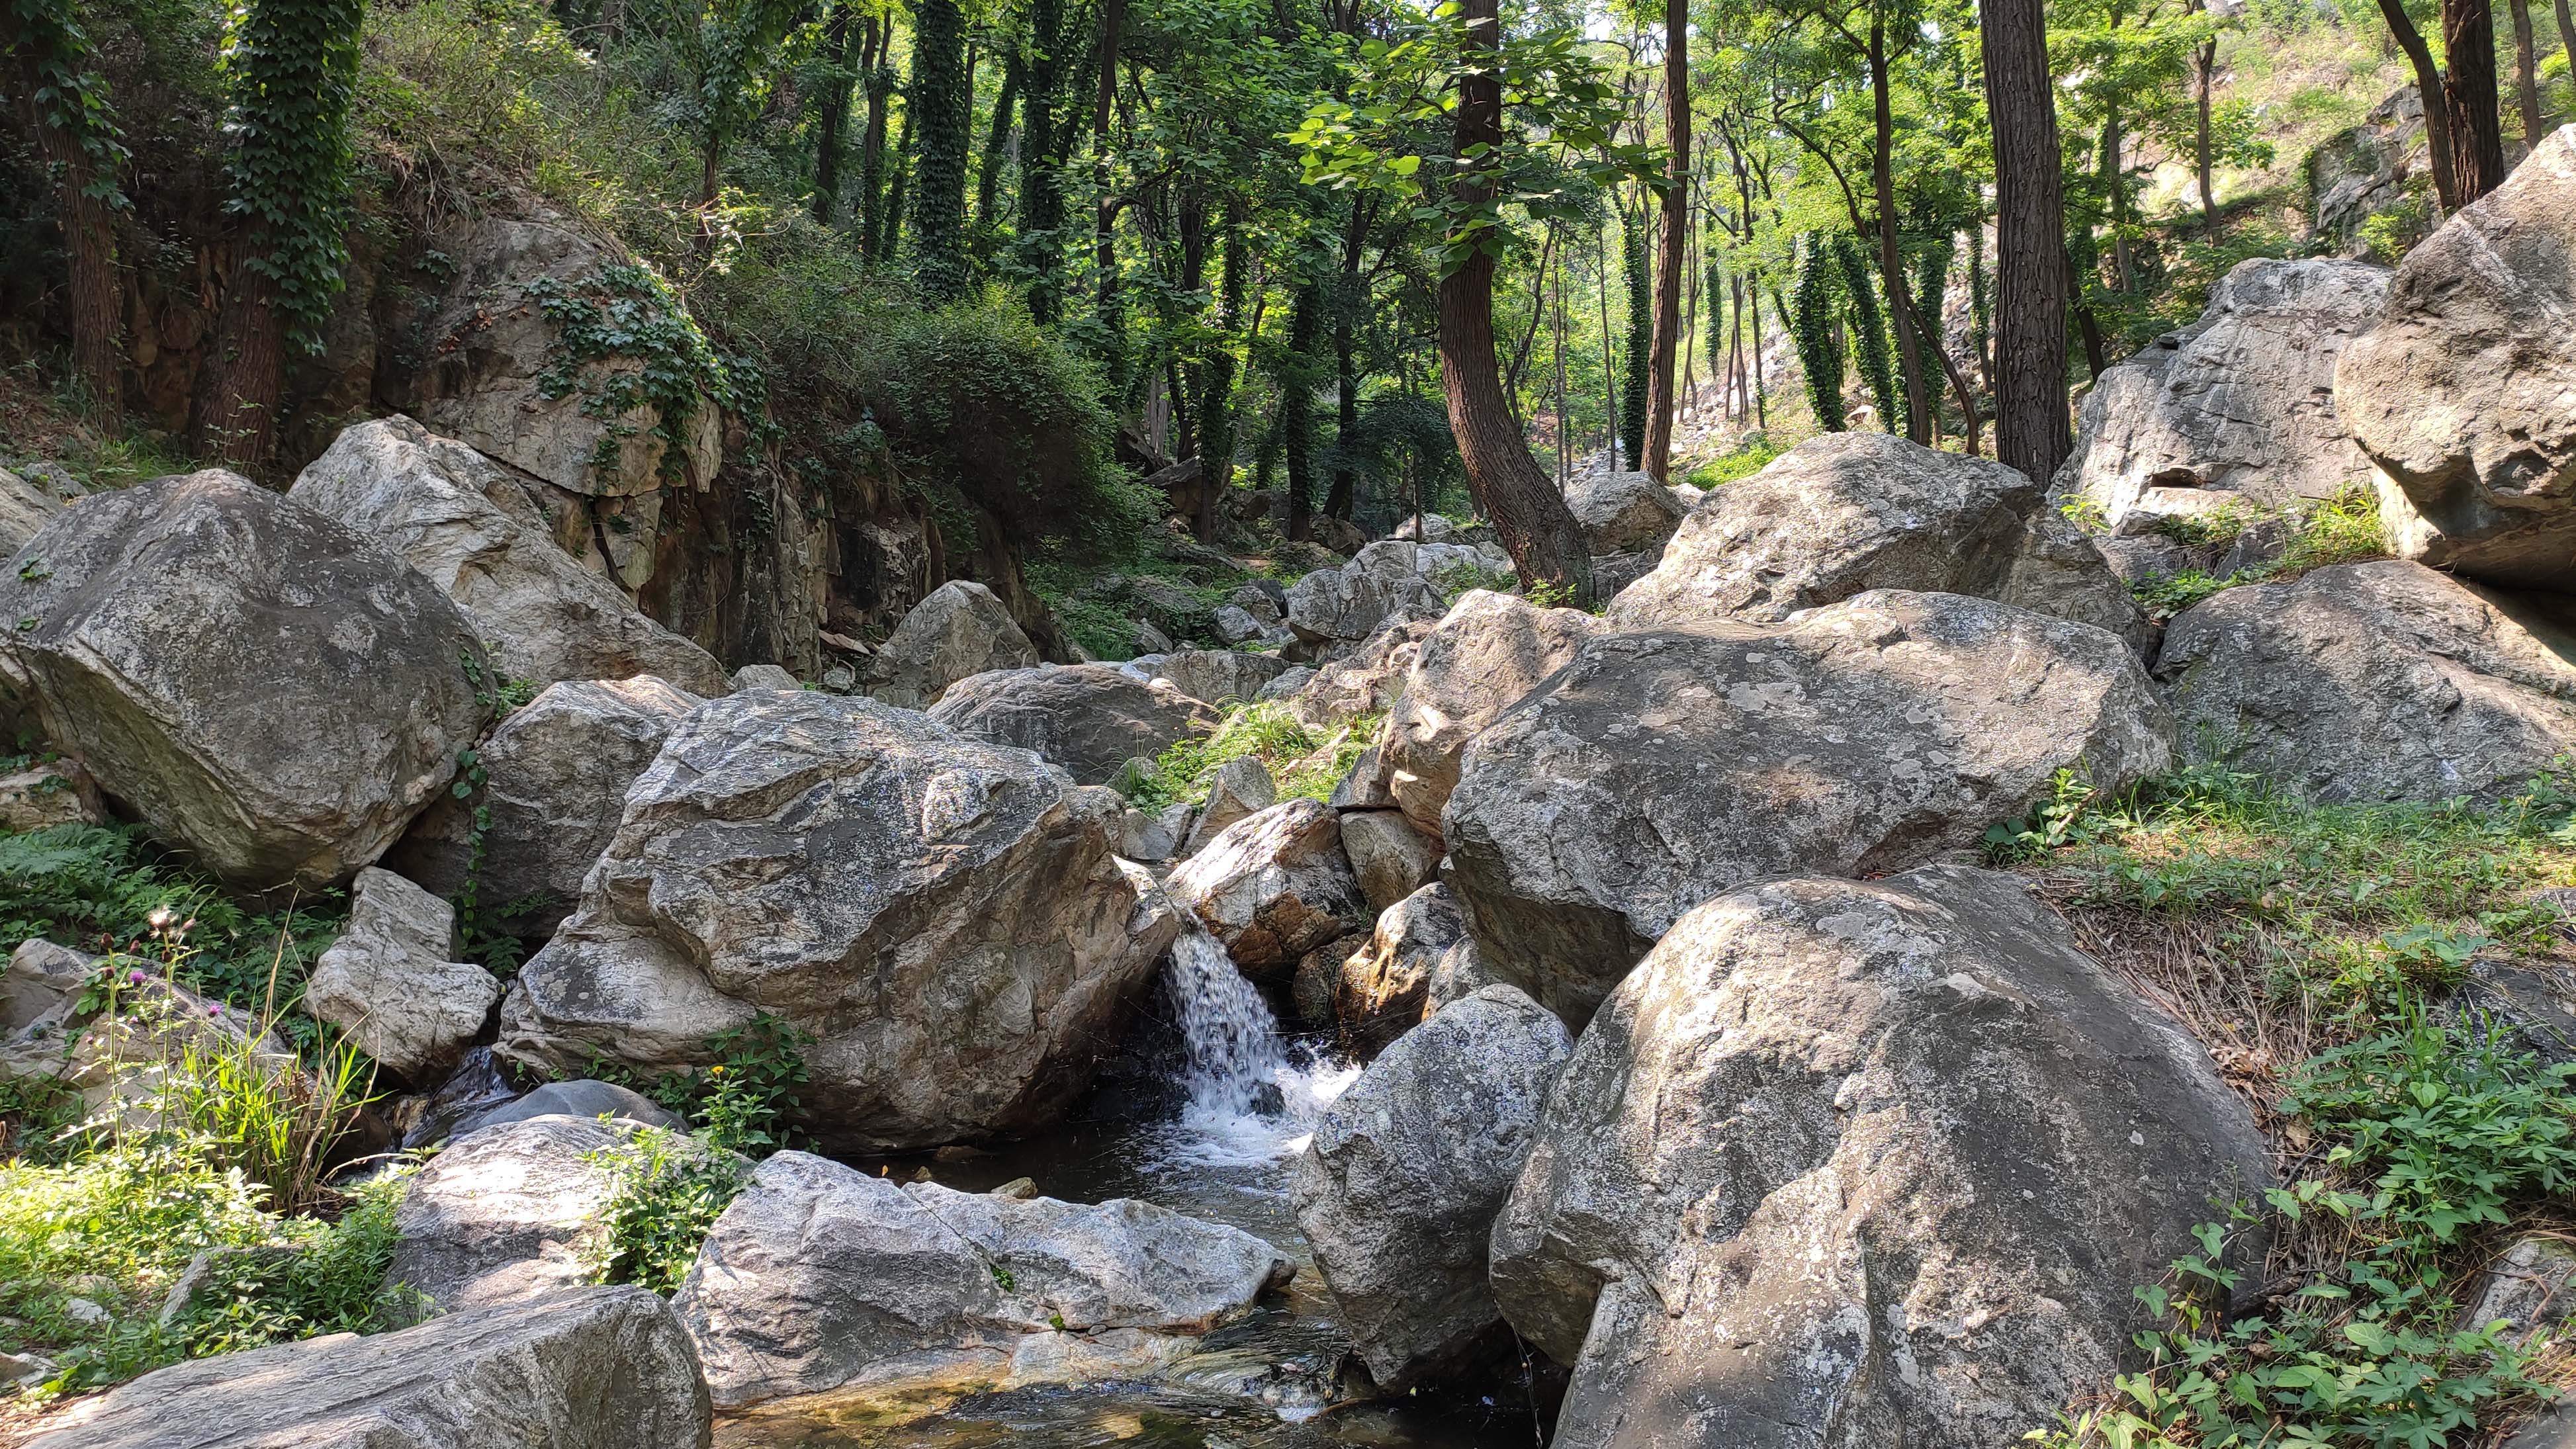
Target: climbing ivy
(1869, 332)
(626, 311)
(1638, 364)
(70, 96)
(292, 66)
(939, 101)
(1813, 300)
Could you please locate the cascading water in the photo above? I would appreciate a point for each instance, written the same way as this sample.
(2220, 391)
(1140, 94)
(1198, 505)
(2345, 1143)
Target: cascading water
(1252, 1099)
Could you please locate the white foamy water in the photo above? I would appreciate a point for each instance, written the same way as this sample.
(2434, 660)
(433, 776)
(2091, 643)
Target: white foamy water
(1253, 1100)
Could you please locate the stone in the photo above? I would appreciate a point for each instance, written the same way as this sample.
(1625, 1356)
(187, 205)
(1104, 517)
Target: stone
(392, 982)
(1273, 886)
(41, 976)
(1314, 990)
(1622, 512)
(1089, 718)
(2365, 171)
(1217, 676)
(1849, 512)
(507, 1213)
(1363, 682)
(56, 792)
(962, 629)
(1385, 986)
(1365, 786)
(1150, 640)
(946, 919)
(24, 1371)
(1174, 608)
(1340, 607)
(469, 527)
(763, 676)
(258, 682)
(1238, 625)
(1831, 1127)
(1391, 858)
(2525, 1289)
(1235, 789)
(1425, 528)
(819, 1274)
(555, 776)
(585, 1368)
(2239, 404)
(1459, 974)
(581, 1097)
(2375, 681)
(1483, 656)
(1659, 768)
(25, 507)
(1408, 1169)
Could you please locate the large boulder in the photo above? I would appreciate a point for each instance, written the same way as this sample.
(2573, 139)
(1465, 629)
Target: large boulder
(2459, 394)
(1089, 718)
(1273, 886)
(1660, 768)
(1487, 652)
(2375, 681)
(554, 786)
(1383, 989)
(456, 516)
(962, 629)
(392, 981)
(2239, 403)
(1623, 513)
(1855, 1164)
(1389, 854)
(1331, 610)
(1848, 512)
(1408, 1169)
(587, 1368)
(26, 505)
(259, 682)
(508, 1212)
(1236, 789)
(1213, 675)
(819, 1274)
(943, 916)
(1364, 681)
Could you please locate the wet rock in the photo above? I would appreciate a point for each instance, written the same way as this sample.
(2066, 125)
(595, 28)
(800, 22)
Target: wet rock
(1236, 789)
(963, 629)
(944, 917)
(1391, 858)
(1659, 768)
(1623, 512)
(1459, 974)
(1385, 987)
(555, 779)
(262, 685)
(507, 1213)
(1484, 655)
(1155, 837)
(470, 528)
(1315, 990)
(1273, 886)
(586, 1368)
(1408, 1169)
(2375, 681)
(1089, 718)
(392, 981)
(581, 1097)
(1831, 1126)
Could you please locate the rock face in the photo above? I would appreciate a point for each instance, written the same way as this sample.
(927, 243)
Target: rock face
(2241, 402)
(1274, 886)
(1213, 675)
(1332, 609)
(1660, 768)
(263, 685)
(2375, 681)
(962, 629)
(554, 787)
(819, 1274)
(1487, 652)
(1849, 512)
(1410, 1166)
(1384, 987)
(2458, 394)
(1090, 718)
(1236, 789)
(1622, 513)
(461, 520)
(393, 983)
(1364, 681)
(589, 1368)
(1391, 858)
(2363, 171)
(507, 1213)
(59, 792)
(944, 916)
(1861, 1163)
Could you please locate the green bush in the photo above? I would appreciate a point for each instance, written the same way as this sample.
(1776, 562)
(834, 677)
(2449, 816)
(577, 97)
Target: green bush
(670, 1189)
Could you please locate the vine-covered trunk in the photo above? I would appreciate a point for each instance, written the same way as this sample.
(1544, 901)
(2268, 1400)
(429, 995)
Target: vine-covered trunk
(1530, 516)
(1813, 301)
(1668, 271)
(832, 112)
(942, 116)
(2031, 431)
(1891, 261)
(997, 141)
(1042, 152)
(2469, 96)
(876, 39)
(1104, 247)
(233, 418)
(1297, 410)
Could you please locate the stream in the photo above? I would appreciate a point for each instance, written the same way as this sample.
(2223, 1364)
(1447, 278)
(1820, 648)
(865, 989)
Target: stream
(1216, 1106)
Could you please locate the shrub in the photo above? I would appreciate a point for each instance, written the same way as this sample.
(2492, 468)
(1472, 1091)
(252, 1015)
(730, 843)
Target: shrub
(670, 1189)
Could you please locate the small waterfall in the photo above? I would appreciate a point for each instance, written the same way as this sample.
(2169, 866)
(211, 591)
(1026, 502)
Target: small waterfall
(1252, 1098)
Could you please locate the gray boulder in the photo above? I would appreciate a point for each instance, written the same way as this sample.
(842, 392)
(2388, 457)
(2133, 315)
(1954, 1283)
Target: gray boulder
(1364, 681)
(1330, 610)
(1214, 675)
(819, 1274)
(763, 676)
(392, 981)
(1854, 1164)
(1384, 988)
(1660, 768)
(946, 918)
(262, 684)
(1273, 886)
(554, 787)
(1089, 718)
(1407, 1170)
(467, 525)
(587, 1368)
(41, 976)
(1623, 513)
(507, 1213)
(56, 792)
(2375, 681)
(26, 505)
(1391, 857)
(1484, 655)
(1236, 789)
(1848, 512)
(581, 1097)
(2459, 393)
(2240, 403)
(962, 629)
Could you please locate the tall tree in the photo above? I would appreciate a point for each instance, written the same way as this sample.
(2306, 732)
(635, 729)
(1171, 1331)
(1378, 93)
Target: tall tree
(1638, 361)
(2469, 98)
(1676, 203)
(1813, 301)
(65, 106)
(943, 117)
(2429, 88)
(2526, 72)
(2031, 431)
(1297, 407)
(832, 110)
(877, 78)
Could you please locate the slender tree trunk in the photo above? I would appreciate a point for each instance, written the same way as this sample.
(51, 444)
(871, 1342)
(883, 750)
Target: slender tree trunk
(2566, 33)
(1753, 305)
(235, 415)
(1668, 273)
(2469, 94)
(2031, 430)
(2428, 87)
(1113, 22)
(1044, 142)
(1346, 369)
(2205, 63)
(997, 141)
(1297, 409)
(834, 112)
(1216, 455)
(942, 118)
(1891, 261)
(1530, 516)
(876, 38)
(1609, 361)
(89, 236)
(2526, 73)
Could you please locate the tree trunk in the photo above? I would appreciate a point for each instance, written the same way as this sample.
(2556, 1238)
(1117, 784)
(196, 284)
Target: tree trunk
(2030, 394)
(2469, 95)
(1216, 453)
(997, 140)
(1530, 516)
(834, 117)
(1891, 261)
(2205, 61)
(942, 120)
(2566, 34)
(2428, 87)
(1297, 410)
(1668, 274)
(235, 415)
(876, 38)
(1044, 142)
(1346, 372)
(2526, 72)
(1104, 259)
(89, 235)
